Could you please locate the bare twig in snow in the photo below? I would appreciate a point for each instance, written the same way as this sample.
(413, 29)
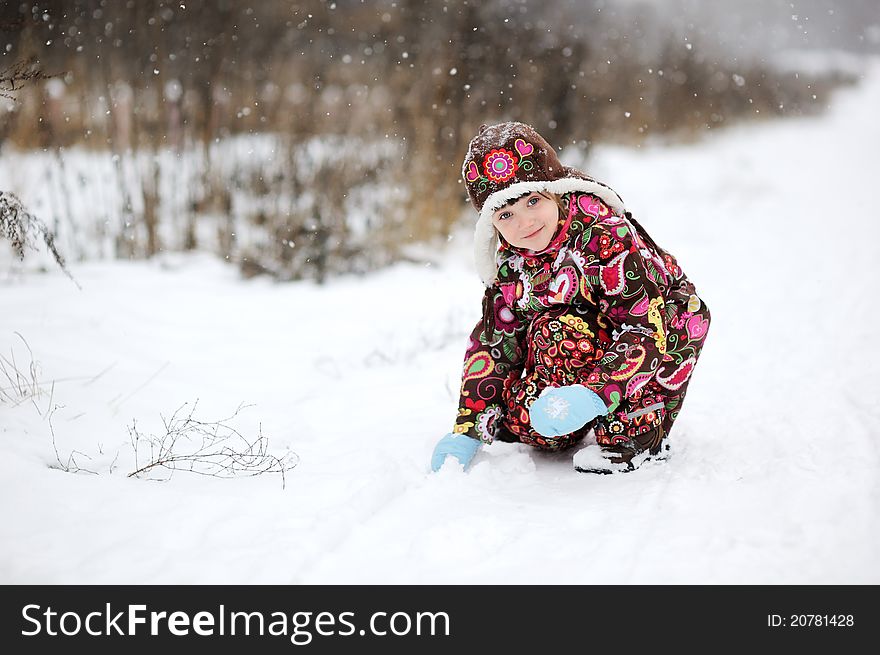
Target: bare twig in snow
(70, 466)
(20, 385)
(208, 448)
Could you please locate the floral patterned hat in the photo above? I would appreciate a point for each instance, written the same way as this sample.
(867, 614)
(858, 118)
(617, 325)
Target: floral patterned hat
(506, 161)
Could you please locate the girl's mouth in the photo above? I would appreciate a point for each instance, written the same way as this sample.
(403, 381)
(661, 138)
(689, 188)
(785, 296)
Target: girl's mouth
(533, 233)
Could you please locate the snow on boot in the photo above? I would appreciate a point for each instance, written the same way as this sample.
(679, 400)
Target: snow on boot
(562, 410)
(596, 459)
(622, 458)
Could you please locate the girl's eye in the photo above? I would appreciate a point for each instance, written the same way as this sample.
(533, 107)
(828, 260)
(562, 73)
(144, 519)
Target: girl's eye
(503, 216)
(532, 201)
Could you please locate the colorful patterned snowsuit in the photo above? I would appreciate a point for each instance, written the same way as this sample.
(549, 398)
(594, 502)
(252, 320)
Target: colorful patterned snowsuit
(601, 306)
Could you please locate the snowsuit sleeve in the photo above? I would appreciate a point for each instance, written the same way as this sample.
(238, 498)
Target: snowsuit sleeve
(493, 360)
(627, 288)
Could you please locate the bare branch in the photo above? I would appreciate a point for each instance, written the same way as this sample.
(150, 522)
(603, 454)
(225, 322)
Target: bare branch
(210, 448)
(71, 465)
(14, 77)
(20, 386)
(22, 229)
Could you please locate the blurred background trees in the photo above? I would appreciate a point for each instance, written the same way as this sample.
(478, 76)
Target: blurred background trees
(306, 138)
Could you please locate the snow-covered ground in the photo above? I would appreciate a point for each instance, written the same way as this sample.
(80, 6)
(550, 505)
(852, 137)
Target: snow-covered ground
(775, 469)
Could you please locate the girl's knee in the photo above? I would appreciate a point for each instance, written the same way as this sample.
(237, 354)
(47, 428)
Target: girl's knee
(552, 444)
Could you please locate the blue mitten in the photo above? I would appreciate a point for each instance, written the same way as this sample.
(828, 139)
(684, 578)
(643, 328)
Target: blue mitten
(562, 410)
(459, 446)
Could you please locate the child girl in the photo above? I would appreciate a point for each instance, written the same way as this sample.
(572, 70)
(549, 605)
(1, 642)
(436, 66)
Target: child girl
(587, 323)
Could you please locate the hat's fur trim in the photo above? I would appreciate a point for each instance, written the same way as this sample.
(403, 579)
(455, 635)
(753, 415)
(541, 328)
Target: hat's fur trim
(486, 236)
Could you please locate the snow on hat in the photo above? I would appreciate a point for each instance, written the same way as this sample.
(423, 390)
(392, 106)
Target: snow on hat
(506, 161)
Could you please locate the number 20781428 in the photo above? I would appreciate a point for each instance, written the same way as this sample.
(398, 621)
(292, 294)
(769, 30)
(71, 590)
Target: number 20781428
(810, 621)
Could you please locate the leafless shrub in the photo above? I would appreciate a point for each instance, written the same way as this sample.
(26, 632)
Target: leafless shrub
(208, 448)
(70, 465)
(19, 385)
(24, 230)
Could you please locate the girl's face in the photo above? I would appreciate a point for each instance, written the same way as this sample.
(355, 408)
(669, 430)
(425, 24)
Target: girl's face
(528, 223)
